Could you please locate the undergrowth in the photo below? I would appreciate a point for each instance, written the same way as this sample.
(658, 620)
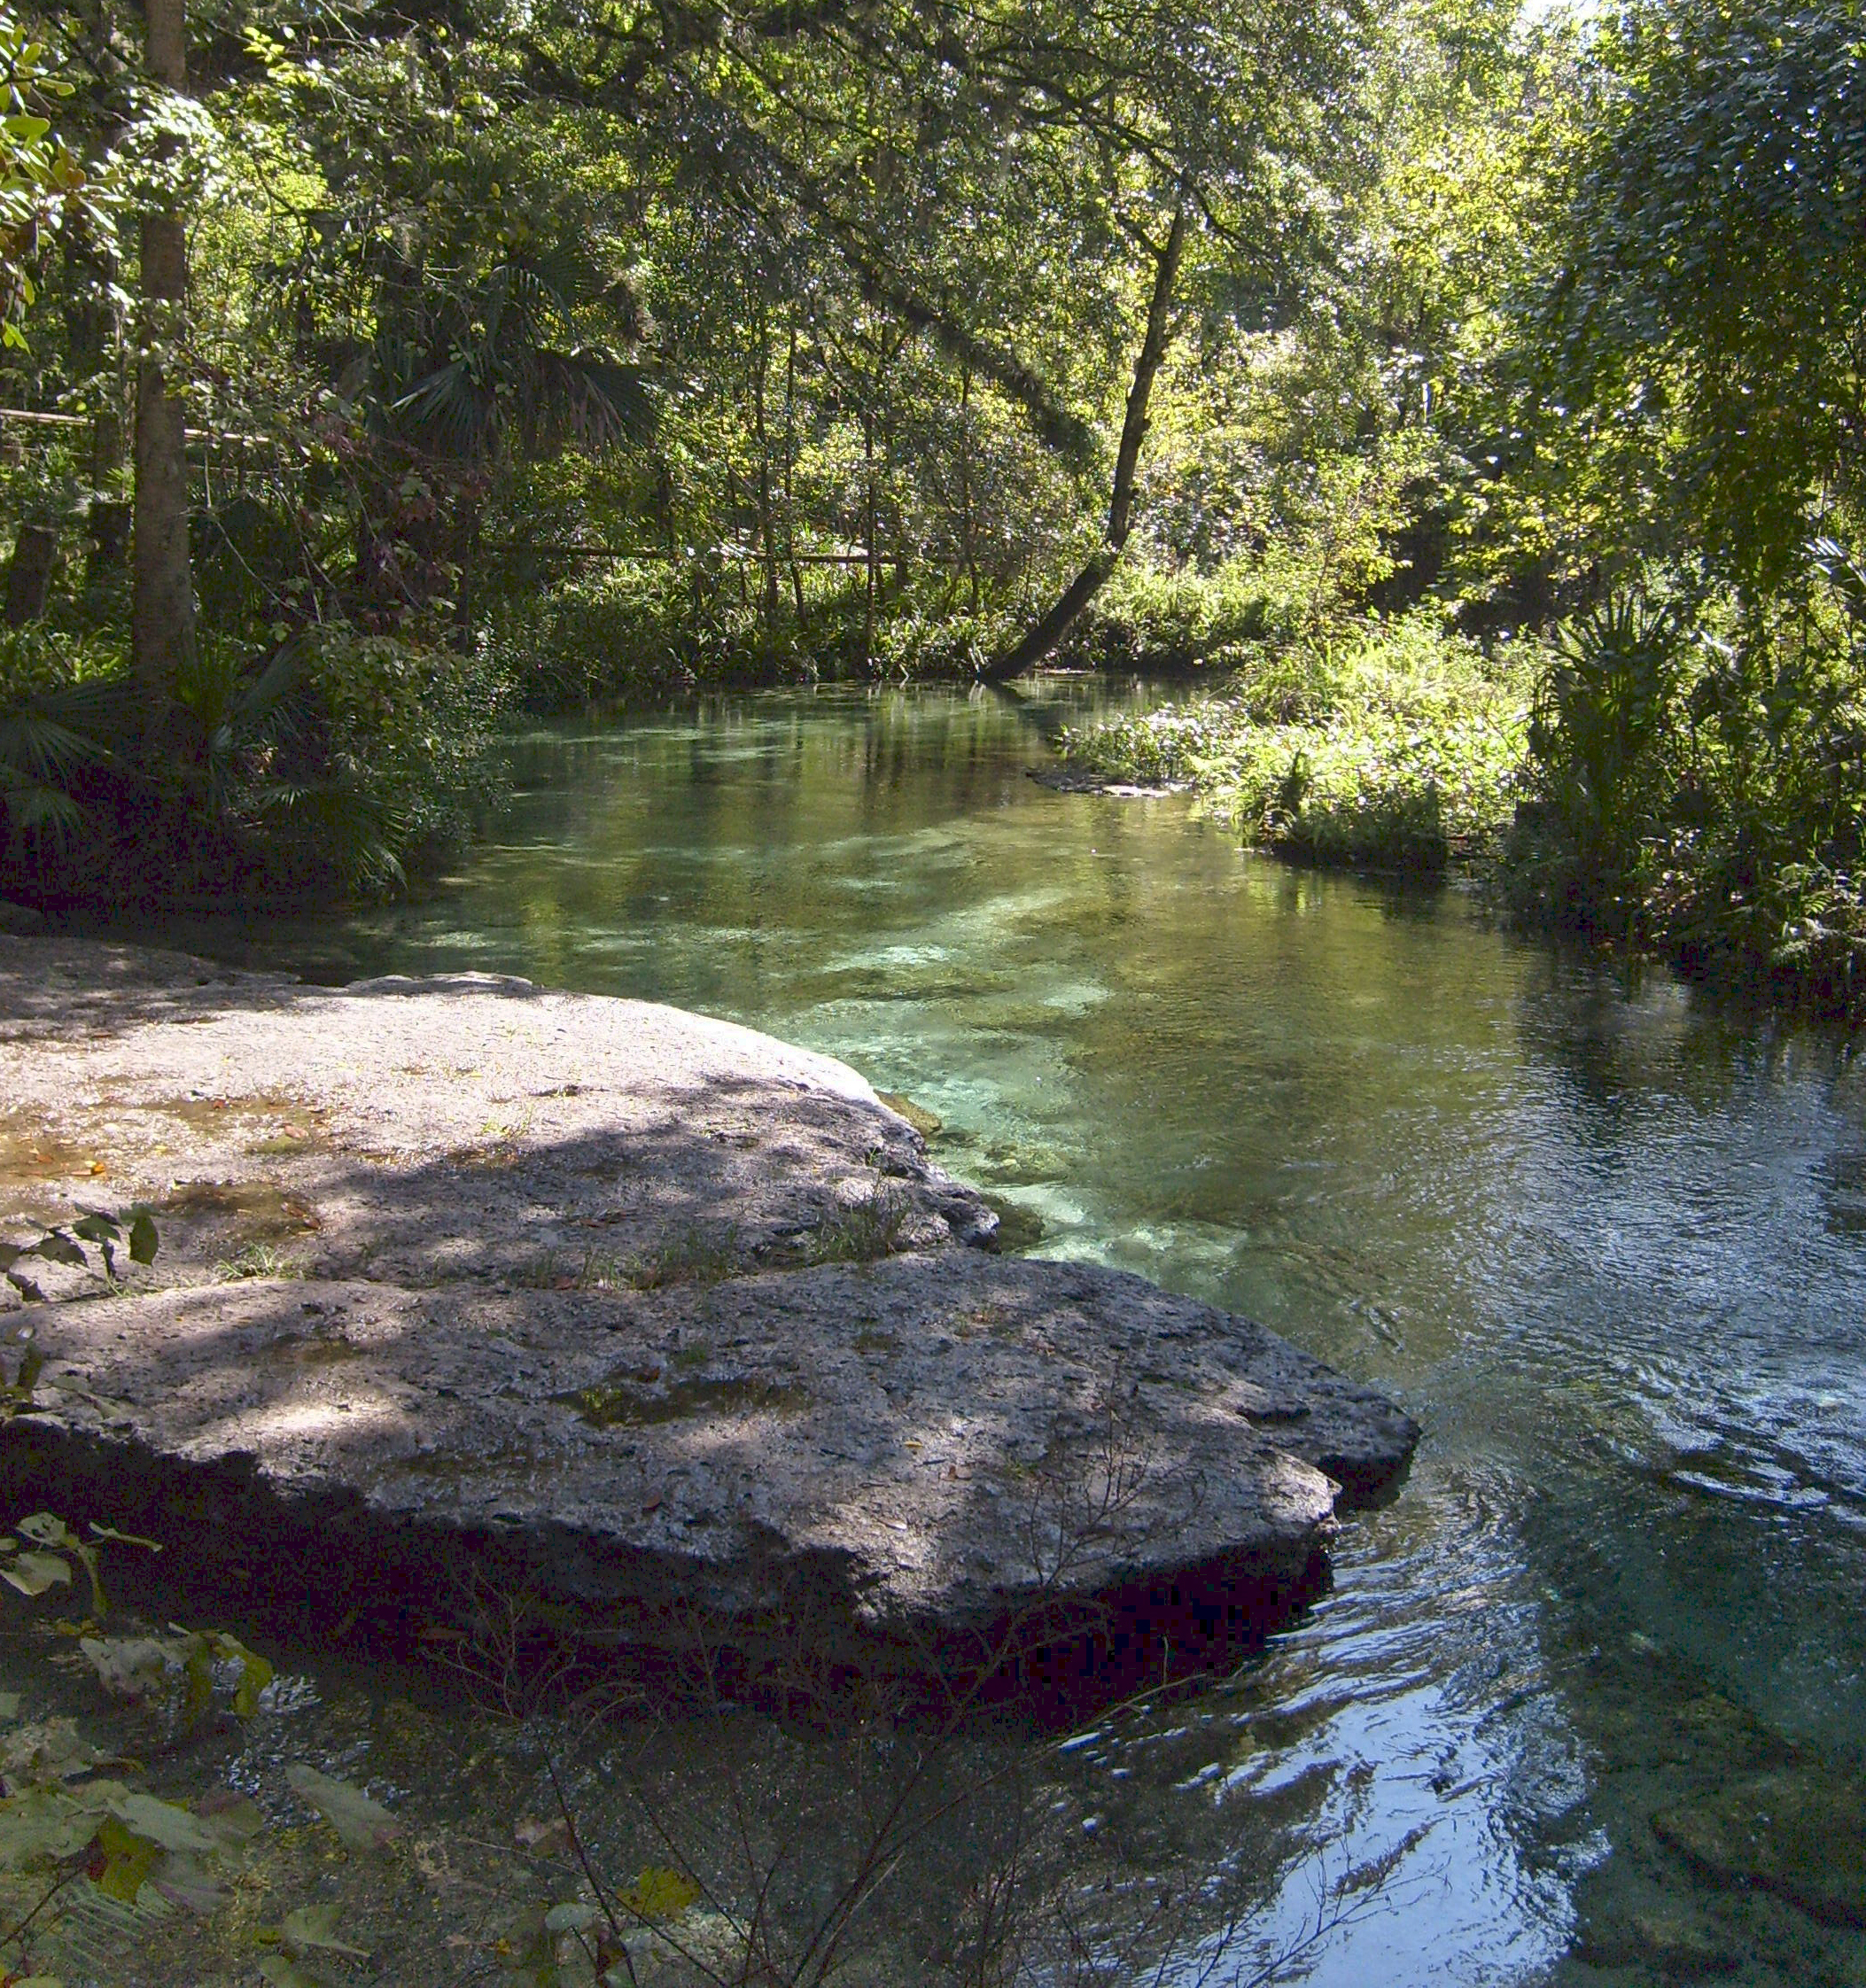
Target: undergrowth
(1389, 743)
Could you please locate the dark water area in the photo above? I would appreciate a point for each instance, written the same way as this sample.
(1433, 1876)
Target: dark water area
(1587, 1702)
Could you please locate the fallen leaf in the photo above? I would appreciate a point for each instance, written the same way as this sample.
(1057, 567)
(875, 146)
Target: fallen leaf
(570, 1917)
(182, 1882)
(315, 1926)
(652, 1505)
(660, 1893)
(362, 1824)
(282, 1973)
(163, 1823)
(98, 1169)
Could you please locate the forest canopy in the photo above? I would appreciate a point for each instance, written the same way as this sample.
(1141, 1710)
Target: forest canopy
(1472, 396)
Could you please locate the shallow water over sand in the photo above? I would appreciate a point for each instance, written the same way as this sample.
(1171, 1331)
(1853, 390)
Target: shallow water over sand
(1590, 1700)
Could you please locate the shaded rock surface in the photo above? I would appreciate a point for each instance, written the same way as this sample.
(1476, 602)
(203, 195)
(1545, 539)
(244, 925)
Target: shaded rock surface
(653, 1323)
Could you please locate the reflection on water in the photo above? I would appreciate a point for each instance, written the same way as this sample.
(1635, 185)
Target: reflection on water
(1611, 1252)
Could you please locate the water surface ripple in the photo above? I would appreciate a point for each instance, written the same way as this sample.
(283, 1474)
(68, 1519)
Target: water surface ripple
(1609, 1248)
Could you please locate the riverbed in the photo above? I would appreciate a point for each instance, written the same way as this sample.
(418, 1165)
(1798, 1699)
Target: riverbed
(1607, 1243)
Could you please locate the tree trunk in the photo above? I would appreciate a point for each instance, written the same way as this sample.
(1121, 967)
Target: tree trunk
(1043, 637)
(968, 530)
(162, 608)
(767, 523)
(872, 550)
(29, 575)
(796, 571)
(94, 340)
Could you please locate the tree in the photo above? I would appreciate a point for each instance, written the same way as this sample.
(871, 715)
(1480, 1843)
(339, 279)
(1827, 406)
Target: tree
(38, 175)
(1710, 298)
(162, 620)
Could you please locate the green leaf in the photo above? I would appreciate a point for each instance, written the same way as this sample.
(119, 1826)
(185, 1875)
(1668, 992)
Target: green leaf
(316, 1927)
(182, 1882)
(164, 1823)
(58, 1248)
(45, 1825)
(33, 1573)
(232, 1820)
(143, 1242)
(46, 1528)
(129, 1858)
(660, 1892)
(96, 1228)
(362, 1824)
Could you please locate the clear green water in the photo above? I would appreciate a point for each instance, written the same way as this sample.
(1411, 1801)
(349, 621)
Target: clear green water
(1611, 1250)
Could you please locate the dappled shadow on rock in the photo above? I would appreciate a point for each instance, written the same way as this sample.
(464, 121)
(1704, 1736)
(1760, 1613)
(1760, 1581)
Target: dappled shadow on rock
(1011, 1477)
(626, 1341)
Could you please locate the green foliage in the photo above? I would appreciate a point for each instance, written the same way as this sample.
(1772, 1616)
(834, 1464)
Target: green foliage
(64, 1244)
(1705, 792)
(1393, 744)
(1602, 734)
(1709, 294)
(39, 176)
(322, 767)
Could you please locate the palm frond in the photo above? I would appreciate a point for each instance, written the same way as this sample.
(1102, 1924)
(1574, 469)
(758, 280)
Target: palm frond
(594, 400)
(33, 808)
(42, 750)
(356, 831)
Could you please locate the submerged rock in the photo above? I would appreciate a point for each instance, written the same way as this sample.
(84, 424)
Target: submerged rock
(1800, 1833)
(651, 1328)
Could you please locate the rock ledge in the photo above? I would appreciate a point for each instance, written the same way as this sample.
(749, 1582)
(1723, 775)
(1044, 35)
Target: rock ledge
(661, 1332)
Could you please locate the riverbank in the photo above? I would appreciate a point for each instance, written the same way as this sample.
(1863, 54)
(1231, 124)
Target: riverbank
(667, 1329)
(1608, 785)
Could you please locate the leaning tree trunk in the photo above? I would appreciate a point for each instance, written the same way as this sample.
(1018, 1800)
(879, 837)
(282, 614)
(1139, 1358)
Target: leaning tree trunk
(1043, 637)
(162, 610)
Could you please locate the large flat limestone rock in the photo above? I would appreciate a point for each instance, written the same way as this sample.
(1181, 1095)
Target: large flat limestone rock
(434, 1130)
(682, 1354)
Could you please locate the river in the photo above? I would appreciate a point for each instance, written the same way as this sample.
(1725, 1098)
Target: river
(1608, 1245)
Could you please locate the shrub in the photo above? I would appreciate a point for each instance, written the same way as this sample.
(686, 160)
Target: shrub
(1397, 743)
